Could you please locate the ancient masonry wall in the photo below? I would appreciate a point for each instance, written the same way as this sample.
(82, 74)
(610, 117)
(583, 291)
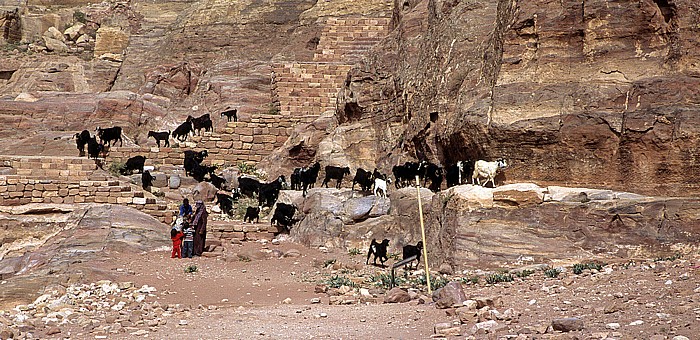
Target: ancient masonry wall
(236, 142)
(70, 180)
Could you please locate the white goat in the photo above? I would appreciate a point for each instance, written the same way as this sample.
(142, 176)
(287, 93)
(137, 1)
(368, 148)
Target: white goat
(484, 169)
(380, 186)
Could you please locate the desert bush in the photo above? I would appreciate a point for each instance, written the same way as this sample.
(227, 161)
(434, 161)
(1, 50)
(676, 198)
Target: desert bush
(580, 267)
(552, 272)
(116, 168)
(191, 269)
(499, 277)
(337, 281)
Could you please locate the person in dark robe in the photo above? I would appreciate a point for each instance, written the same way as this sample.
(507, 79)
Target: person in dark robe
(199, 221)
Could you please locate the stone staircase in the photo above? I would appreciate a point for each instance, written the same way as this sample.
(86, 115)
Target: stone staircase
(44, 179)
(238, 230)
(311, 88)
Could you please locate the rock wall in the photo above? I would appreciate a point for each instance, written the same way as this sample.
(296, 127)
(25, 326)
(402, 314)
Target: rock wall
(559, 89)
(470, 226)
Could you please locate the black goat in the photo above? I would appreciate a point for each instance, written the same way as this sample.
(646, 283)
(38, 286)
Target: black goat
(230, 113)
(410, 250)
(182, 131)
(248, 186)
(364, 178)
(459, 173)
(110, 134)
(434, 173)
(159, 136)
(94, 148)
(193, 158)
(132, 164)
(406, 173)
(199, 171)
(309, 176)
(81, 139)
(217, 181)
(378, 250)
(284, 215)
(269, 192)
(225, 203)
(295, 179)
(337, 173)
(252, 213)
(146, 179)
(200, 122)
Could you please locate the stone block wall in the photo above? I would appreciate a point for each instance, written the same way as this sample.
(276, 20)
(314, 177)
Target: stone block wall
(17, 190)
(226, 231)
(308, 89)
(236, 142)
(347, 40)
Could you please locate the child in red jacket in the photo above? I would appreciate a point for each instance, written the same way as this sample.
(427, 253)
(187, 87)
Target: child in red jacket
(176, 236)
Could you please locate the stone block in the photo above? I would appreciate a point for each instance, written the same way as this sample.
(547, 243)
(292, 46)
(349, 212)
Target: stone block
(139, 200)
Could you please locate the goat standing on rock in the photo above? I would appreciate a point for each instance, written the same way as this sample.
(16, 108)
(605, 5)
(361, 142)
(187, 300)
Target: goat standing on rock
(488, 170)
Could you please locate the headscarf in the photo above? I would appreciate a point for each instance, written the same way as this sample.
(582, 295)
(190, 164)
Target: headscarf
(200, 214)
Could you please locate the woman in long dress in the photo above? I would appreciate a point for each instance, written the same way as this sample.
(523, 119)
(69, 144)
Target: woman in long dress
(199, 221)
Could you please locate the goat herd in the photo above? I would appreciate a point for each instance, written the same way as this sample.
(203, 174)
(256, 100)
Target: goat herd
(301, 178)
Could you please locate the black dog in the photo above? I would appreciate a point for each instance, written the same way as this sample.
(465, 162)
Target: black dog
(379, 251)
(252, 213)
(410, 250)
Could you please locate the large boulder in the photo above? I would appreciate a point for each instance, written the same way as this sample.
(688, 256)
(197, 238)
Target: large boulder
(204, 191)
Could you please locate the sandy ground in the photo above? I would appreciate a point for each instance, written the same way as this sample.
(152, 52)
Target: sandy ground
(241, 295)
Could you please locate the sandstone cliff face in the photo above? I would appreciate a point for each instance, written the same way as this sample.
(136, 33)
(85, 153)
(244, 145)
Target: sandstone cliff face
(569, 92)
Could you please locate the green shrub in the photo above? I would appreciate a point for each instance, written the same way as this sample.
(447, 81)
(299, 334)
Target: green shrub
(354, 251)
(499, 277)
(191, 269)
(116, 168)
(337, 281)
(524, 273)
(552, 272)
(675, 256)
(472, 279)
(436, 282)
(79, 16)
(383, 280)
(580, 267)
(244, 258)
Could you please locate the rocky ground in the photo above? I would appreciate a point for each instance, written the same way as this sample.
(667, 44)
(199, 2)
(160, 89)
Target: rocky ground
(285, 290)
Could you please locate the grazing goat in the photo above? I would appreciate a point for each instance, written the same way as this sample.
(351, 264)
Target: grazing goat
(81, 139)
(230, 113)
(193, 158)
(309, 176)
(269, 192)
(283, 215)
(225, 203)
(248, 186)
(433, 173)
(380, 186)
(364, 178)
(133, 163)
(110, 134)
(146, 179)
(488, 170)
(160, 136)
(94, 148)
(182, 131)
(252, 213)
(217, 181)
(458, 174)
(377, 174)
(337, 173)
(199, 171)
(295, 179)
(410, 250)
(406, 173)
(200, 122)
(378, 250)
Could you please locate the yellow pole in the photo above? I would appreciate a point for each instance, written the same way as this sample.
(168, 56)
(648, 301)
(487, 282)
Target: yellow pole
(422, 232)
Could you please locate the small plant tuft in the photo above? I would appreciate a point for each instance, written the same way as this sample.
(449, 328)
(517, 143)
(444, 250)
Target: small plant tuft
(580, 267)
(337, 281)
(552, 272)
(675, 256)
(383, 280)
(354, 251)
(436, 282)
(191, 269)
(524, 273)
(499, 277)
(243, 258)
(116, 168)
(393, 256)
(80, 17)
